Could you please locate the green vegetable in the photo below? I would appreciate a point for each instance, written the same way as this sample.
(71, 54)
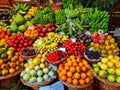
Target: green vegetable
(21, 28)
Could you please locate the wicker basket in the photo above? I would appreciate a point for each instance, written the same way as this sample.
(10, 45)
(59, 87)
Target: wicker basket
(78, 87)
(9, 79)
(91, 61)
(36, 86)
(57, 63)
(27, 57)
(106, 85)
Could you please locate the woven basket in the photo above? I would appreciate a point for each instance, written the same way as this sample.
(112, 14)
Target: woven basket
(9, 79)
(91, 61)
(57, 63)
(36, 86)
(106, 85)
(27, 57)
(79, 87)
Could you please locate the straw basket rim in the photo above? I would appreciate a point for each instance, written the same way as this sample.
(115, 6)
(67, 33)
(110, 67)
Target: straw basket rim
(10, 75)
(107, 82)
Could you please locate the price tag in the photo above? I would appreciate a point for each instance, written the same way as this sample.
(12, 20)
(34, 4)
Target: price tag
(95, 74)
(62, 49)
(73, 39)
(53, 66)
(31, 27)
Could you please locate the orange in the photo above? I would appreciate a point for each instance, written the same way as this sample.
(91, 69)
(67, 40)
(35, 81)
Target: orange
(1, 61)
(78, 60)
(88, 67)
(21, 59)
(84, 69)
(89, 73)
(84, 62)
(60, 68)
(63, 78)
(63, 72)
(69, 74)
(66, 67)
(83, 76)
(69, 80)
(80, 64)
(74, 63)
(81, 82)
(68, 59)
(78, 69)
(72, 57)
(97, 45)
(66, 64)
(61, 65)
(11, 70)
(75, 82)
(70, 63)
(74, 60)
(76, 75)
(72, 69)
(17, 62)
(87, 80)
(12, 64)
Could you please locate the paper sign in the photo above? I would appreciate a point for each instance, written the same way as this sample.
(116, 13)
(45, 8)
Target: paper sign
(73, 39)
(62, 49)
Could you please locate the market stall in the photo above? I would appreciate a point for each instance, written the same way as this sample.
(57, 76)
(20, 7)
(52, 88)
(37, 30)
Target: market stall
(58, 45)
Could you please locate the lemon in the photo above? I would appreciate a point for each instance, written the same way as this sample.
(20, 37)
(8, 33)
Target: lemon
(110, 64)
(110, 57)
(104, 67)
(114, 60)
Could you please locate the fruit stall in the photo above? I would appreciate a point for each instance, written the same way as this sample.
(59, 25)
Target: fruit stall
(59, 45)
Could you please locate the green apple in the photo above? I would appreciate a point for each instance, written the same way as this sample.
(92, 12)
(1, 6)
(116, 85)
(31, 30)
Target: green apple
(27, 70)
(45, 70)
(99, 64)
(33, 79)
(39, 79)
(94, 65)
(110, 64)
(51, 73)
(111, 70)
(45, 76)
(104, 67)
(111, 78)
(32, 72)
(40, 73)
(96, 69)
(26, 77)
(37, 68)
(102, 73)
(104, 60)
(22, 73)
(118, 79)
(117, 71)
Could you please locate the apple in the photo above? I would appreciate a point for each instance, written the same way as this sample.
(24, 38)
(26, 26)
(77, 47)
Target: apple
(111, 78)
(99, 64)
(42, 65)
(33, 79)
(94, 65)
(104, 67)
(26, 77)
(104, 60)
(117, 71)
(51, 73)
(111, 70)
(96, 69)
(39, 79)
(32, 72)
(22, 73)
(45, 70)
(27, 70)
(45, 76)
(40, 73)
(118, 79)
(37, 68)
(102, 73)
(110, 64)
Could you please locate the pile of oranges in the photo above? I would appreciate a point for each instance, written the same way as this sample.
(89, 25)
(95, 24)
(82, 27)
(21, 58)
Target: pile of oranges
(32, 11)
(31, 33)
(75, 70)
(4, 33)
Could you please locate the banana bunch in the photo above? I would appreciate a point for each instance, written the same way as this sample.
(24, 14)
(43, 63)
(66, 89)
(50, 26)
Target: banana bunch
(23, 7)
(44, 16)
(3, 25)
(98, 20)
(60, 17)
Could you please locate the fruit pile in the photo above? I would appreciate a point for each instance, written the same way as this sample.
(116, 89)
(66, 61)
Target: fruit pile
(50, 43)
(44, 30)
(31, 33)
(19, 41)
(4, 34)
(56, 56)
(74, 48)
(75, 71)
(11, 65)
(28, 51)
(32, 10)
(98, 38)
(91, 54)
(109, 46)
(37, 70)
(108, 68)
(84, 38)
(5, 50)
